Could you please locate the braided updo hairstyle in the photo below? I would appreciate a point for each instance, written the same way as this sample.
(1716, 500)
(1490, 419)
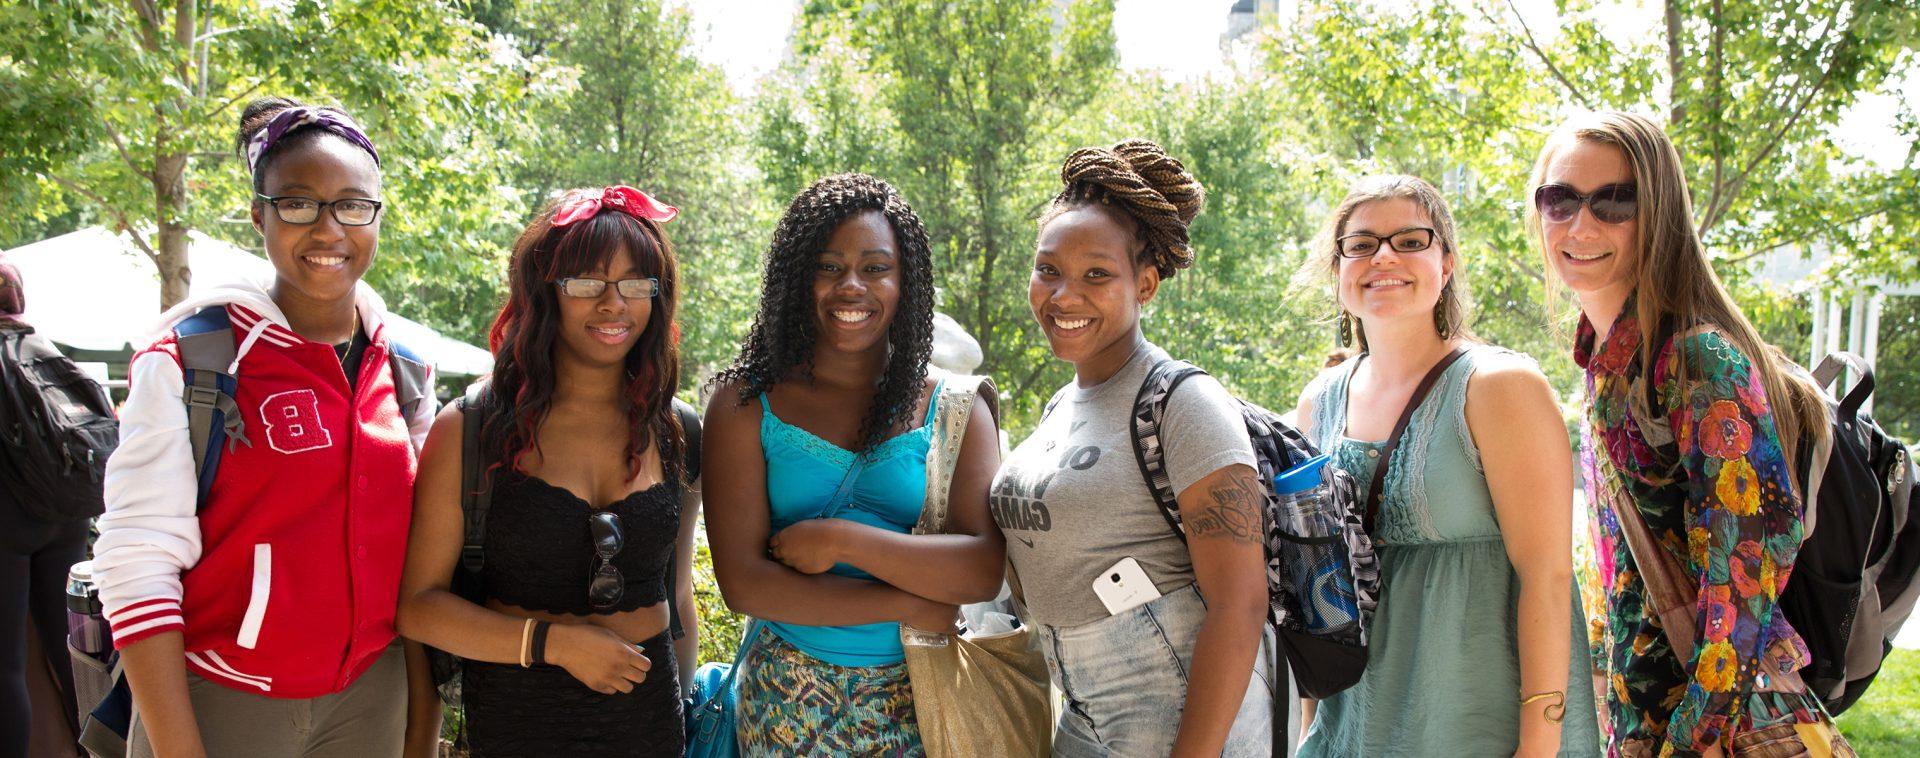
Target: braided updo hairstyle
(1138, 180)
(780, 342)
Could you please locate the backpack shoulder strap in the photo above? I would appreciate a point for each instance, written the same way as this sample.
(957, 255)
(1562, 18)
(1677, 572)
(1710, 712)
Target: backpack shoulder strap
(1149, 450)
(412, 379)
(476, 495)
(690, 430)
(205, 344)
(690, 433)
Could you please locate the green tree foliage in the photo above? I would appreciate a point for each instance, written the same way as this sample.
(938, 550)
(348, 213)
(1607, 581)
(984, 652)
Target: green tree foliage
(1462, 94)
(148, 95)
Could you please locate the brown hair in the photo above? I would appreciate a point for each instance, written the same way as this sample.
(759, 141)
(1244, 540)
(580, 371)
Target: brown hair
(1137, 180)
(1452, 314)
(1673, 277)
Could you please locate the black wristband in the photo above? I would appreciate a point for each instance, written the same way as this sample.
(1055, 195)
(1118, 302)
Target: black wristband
(539, 654)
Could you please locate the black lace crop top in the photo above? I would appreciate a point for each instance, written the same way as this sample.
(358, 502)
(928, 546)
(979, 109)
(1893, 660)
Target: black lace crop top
(539, 552)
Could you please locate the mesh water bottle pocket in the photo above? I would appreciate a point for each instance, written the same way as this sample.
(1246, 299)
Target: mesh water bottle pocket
(1320, 577)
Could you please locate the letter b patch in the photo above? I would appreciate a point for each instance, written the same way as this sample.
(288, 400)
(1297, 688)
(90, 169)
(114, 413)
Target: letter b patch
(293, 422)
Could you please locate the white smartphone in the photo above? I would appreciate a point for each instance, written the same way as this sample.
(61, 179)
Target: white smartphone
(1124, 587)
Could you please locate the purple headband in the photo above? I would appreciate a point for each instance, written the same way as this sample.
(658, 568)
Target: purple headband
(330, 119)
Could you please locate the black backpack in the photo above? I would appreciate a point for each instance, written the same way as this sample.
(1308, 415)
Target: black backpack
(477, 406)
(1853, 582)
(58, 427)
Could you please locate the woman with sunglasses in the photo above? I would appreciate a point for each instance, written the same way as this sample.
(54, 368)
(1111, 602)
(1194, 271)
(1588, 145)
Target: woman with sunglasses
(1474, 515)
(592, 506)
(220, 591)
(823, 424)
(1694, 424)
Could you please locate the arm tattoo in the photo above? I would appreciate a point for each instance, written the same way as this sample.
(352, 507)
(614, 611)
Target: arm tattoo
(1233, 514)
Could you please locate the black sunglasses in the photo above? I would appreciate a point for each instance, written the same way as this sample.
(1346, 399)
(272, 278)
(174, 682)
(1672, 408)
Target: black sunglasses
(606, 584)
(1611, 204)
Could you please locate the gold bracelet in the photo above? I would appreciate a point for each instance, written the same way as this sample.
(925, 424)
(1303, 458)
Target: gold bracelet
(1555, 710)
(526, 644)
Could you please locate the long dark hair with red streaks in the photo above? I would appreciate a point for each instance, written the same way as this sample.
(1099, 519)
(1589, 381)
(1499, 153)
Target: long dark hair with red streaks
(524, 334)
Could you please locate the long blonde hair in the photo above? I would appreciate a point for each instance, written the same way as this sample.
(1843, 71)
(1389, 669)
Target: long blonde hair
(1454, 312)
(1673, 277)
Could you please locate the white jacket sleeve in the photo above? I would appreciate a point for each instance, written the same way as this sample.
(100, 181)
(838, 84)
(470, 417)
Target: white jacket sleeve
(151, 530)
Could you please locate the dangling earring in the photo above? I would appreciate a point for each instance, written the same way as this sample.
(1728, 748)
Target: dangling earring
(1346, 329)
(1440, 323)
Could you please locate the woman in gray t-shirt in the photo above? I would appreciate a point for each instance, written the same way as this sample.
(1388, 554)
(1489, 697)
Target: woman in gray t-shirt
(1159, 671)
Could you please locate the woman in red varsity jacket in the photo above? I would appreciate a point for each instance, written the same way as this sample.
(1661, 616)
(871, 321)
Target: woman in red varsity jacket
(257, 508)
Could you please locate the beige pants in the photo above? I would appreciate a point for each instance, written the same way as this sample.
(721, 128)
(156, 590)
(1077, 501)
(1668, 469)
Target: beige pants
(366, 720)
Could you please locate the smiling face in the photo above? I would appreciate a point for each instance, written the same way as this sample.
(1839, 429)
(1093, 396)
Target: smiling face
(323, 260)
(600, 331)
(1392, 284)
(856, 285)
(1595, 259)
(1086, 290)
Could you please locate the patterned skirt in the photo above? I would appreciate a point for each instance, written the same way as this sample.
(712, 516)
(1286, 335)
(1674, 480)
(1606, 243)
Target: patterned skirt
(791, 703)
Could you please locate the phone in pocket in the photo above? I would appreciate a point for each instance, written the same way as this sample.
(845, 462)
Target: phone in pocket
(1124, 587)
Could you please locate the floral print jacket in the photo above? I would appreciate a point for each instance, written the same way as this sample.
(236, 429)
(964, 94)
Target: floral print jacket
(1704, 466)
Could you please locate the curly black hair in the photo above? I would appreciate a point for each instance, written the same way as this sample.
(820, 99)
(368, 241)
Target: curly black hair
(782, 338)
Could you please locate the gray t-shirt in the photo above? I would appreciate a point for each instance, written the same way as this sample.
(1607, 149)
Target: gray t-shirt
(1071, 501)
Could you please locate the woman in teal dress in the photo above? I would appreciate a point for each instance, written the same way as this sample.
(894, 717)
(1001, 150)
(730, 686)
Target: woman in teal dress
(1472, 649)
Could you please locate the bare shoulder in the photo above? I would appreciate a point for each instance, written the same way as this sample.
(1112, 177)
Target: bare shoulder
(1502, 376)
(443, 438)
(729, 404)
(1304, 404)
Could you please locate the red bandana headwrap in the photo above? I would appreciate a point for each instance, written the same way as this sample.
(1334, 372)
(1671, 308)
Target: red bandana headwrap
(585, 205)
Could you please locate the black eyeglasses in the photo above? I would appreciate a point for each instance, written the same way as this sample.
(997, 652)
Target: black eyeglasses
(1611, 204)
(1364, 245)
(631, 289)
(606, 585)
(351, 211)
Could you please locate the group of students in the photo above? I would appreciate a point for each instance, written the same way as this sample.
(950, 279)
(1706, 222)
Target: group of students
(286, 614)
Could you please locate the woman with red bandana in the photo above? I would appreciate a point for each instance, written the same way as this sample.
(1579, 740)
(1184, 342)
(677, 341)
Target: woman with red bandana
(589, 535)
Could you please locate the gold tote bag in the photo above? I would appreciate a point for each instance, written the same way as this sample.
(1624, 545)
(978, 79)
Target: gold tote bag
(973, 695)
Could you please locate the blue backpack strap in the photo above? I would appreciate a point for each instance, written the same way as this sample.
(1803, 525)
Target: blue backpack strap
(412, 378)
(205, 344)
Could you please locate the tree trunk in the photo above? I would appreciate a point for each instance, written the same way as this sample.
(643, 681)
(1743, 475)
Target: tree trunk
(1676, 60)
(170, 212)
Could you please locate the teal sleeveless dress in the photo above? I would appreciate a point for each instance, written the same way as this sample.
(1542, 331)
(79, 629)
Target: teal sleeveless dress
(1443, 672)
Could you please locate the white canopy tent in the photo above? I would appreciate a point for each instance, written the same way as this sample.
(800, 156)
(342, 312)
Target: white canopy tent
(93, 291)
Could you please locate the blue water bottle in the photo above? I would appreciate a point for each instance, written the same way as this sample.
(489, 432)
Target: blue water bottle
(1317, 555)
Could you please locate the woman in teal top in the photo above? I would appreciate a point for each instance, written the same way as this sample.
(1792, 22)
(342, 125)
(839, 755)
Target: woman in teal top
(1472, 649)
(818, 436)
(804, 472)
